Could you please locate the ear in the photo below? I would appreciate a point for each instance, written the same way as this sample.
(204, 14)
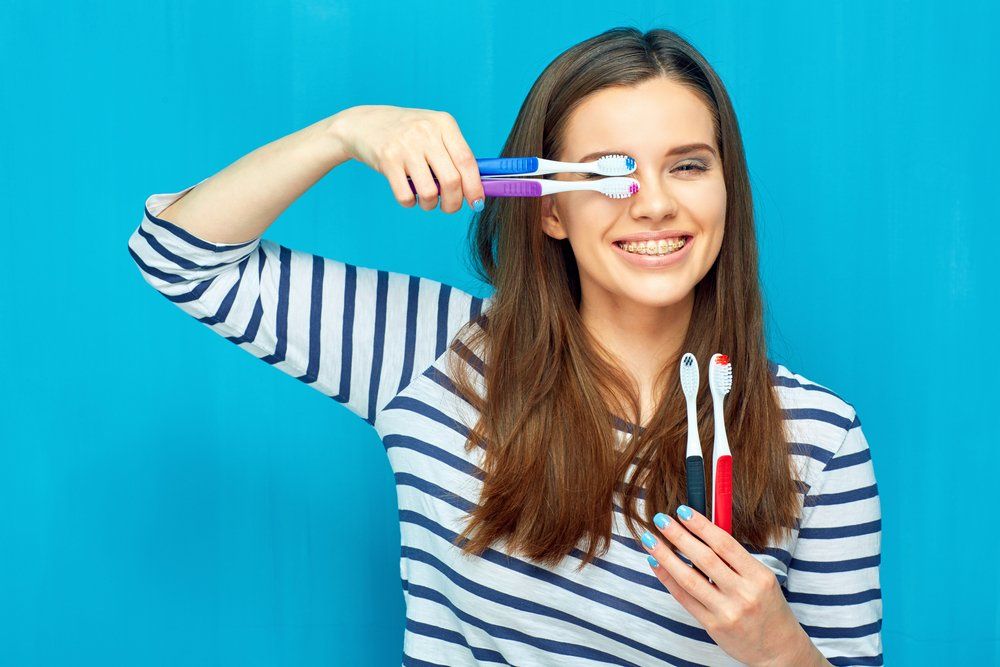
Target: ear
(551, 224)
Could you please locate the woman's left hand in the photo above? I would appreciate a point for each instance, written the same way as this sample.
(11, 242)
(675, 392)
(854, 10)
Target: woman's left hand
(742, 607)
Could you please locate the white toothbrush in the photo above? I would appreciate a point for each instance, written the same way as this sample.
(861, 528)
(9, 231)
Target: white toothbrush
(616, 187)
(694, 462)
(720, 381)
(519, 167)
(510, 176)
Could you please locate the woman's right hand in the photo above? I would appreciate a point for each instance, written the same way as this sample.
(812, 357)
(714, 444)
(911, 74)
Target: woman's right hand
(398, 142)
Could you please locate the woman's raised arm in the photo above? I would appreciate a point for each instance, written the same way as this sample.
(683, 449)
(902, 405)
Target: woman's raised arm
(355, 333)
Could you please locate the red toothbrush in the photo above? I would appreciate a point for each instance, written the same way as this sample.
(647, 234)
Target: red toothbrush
(720, 381)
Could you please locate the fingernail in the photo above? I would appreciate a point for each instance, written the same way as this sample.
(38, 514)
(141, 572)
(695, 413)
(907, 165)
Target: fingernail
(684, 512)
(652, 561)
(661, 520)
(648, 539)
(478, 205)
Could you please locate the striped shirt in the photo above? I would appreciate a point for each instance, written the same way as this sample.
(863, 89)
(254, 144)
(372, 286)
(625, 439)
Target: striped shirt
(375, 341)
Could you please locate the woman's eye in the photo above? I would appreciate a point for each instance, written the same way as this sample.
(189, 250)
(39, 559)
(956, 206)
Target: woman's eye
(587, 175)
(694, 167)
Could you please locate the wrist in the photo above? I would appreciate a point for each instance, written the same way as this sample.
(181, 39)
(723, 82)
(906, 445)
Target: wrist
(801, 653)
(335, 137)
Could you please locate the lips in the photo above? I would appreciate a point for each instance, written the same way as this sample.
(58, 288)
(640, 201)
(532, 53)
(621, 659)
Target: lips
(654, 261)
(653, 236)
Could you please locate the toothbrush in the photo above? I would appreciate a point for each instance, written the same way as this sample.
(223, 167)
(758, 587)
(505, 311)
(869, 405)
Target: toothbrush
(694, 461)
(504, 176)
(616, 187)
(720, 380)
(503, 167)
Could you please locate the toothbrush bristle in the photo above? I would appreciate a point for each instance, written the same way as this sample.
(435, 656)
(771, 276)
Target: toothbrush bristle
(721, 375)
(689, 374)
(618, 187)
(615, 165)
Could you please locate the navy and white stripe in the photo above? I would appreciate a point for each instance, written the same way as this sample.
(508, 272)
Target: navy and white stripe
(351, 332)
(375, 341)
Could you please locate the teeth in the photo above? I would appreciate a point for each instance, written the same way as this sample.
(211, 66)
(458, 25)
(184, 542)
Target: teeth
(661, 247)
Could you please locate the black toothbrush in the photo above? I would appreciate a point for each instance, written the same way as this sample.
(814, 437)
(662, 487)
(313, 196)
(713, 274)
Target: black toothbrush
(694, 462)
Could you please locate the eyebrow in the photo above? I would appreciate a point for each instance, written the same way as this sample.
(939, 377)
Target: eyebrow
(677, 150)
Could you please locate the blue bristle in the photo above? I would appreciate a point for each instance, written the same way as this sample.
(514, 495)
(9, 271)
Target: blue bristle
(630, 163)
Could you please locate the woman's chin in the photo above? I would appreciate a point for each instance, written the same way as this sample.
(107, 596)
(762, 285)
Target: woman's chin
(656, 297)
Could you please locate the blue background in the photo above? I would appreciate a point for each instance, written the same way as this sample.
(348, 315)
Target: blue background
(165, 499)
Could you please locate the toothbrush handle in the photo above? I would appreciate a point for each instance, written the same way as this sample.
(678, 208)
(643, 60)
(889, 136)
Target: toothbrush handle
(497, 166)
(722, 502)
(505, 187)
(695, 483)
(513, 187)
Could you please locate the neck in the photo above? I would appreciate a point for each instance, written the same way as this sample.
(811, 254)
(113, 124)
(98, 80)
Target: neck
(640, 337)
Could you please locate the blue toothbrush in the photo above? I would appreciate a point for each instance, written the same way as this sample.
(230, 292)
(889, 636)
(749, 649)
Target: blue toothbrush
(510, 176)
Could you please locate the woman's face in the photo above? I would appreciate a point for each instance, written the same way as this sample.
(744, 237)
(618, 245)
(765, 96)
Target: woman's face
(678, 191)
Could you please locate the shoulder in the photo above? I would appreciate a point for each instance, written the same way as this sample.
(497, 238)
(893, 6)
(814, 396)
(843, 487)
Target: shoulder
(819, 421)
(806, 399)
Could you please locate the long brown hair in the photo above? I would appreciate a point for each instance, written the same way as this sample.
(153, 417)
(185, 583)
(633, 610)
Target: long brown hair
(552, 394)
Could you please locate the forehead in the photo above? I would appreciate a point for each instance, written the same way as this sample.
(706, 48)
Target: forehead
(656, 114)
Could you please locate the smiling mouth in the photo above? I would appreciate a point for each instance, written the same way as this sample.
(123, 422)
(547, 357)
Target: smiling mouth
(660, 247)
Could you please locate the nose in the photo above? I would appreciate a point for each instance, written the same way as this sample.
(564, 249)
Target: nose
(653, 200)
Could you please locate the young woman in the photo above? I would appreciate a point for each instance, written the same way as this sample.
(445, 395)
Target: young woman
(535, 434)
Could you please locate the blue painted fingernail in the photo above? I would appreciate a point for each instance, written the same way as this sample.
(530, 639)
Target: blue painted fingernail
(478, 205)
(648, 539)
(652, 561)
(684, 512)
(661, 520)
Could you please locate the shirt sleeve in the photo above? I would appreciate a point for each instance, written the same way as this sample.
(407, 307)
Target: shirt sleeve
(833, 578)
(357, 334)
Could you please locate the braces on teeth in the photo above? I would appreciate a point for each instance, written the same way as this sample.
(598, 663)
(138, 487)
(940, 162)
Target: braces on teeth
(652, 248)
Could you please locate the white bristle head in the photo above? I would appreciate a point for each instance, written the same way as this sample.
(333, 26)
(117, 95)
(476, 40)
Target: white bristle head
(720, 374)
(617, 187)
(615, 165)
(689, 375)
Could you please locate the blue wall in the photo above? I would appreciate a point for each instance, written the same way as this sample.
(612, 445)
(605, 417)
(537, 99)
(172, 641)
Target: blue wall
(165, 499)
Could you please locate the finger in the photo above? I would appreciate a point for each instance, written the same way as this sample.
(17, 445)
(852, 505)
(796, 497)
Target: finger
(722, 543)
(693, 581)
(464, 160)
(686, 600)
(423, 180)
(699, 553)
(396, 176)
(449, 180)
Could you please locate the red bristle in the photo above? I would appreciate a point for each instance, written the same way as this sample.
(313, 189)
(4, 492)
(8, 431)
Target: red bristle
(722, 359)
